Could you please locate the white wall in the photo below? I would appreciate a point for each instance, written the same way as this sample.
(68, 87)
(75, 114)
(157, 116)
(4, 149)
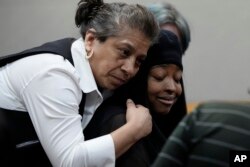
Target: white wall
(216, 63)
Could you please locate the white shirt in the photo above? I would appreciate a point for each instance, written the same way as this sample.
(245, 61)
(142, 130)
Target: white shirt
(49, 88)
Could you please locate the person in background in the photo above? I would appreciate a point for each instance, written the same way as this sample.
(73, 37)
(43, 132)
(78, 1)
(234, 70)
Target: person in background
(208, 135)
(169, 18)
(50, 93)
(156, 86)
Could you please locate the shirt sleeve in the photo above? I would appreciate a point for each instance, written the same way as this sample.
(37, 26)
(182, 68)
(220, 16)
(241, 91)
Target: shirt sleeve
(51, 98)
(101, 151)
(109, 118)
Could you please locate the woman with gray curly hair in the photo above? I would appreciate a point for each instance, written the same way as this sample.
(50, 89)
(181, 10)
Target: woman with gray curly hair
(169, 18)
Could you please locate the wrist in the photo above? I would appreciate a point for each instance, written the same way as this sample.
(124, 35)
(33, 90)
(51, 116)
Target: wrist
(132, 131)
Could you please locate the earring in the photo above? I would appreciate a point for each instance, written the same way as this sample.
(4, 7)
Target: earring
(89, 54)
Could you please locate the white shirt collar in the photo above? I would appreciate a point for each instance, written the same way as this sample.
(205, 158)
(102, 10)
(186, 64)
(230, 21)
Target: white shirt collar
(87, 80)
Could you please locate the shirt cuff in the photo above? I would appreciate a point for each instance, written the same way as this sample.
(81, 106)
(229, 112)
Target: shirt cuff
(101, 151)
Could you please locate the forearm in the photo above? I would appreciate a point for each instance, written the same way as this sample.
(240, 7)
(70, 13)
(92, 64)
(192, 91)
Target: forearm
(139, 125)
(124, 138)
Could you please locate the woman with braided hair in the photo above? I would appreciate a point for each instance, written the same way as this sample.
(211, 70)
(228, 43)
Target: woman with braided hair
(50, 93)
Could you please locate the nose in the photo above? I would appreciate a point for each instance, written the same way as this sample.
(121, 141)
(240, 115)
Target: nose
(129, 67)
(170, 85)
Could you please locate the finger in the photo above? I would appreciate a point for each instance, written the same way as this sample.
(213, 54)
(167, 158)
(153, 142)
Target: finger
(138, 105)
(130, 103)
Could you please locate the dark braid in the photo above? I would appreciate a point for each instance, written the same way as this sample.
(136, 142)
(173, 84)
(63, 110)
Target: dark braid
(87, 10)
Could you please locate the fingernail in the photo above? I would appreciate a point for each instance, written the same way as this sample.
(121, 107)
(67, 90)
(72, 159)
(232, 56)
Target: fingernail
(129, 100)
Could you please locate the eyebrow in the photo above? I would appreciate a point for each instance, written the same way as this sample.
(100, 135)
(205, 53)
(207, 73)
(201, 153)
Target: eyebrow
(166, 65)
(127, 44)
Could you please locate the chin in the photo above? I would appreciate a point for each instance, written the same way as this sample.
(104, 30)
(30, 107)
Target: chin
(110, 86)
(166, 112)
(162, 109)
(113, 86)
(163, 112)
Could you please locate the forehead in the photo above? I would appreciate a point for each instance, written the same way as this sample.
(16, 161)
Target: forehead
(165, 67)
(127, 32)
(134, 39)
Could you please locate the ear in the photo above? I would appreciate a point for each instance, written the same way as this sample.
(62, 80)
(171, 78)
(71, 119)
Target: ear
(89, 39)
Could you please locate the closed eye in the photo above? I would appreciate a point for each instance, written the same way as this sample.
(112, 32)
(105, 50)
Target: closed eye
(124, 52)
(158, 78)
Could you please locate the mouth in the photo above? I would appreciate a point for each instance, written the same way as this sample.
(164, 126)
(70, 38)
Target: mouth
(118, 80)
(167, 100)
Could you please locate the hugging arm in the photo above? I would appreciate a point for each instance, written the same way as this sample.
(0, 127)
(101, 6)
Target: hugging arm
(136, 155)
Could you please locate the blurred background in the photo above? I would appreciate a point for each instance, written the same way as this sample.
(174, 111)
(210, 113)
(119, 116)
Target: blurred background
(216, 65)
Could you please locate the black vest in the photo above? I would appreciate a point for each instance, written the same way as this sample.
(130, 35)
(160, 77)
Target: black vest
(16, 129)
(60, 47)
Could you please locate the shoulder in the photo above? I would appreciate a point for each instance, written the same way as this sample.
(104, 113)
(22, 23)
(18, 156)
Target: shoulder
(42, 62)
(221, 108)
(110, 111)
(41, 66)
(105, 120)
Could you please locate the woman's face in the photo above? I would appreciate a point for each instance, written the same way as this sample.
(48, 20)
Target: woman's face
(164, 87)
(118, 59)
